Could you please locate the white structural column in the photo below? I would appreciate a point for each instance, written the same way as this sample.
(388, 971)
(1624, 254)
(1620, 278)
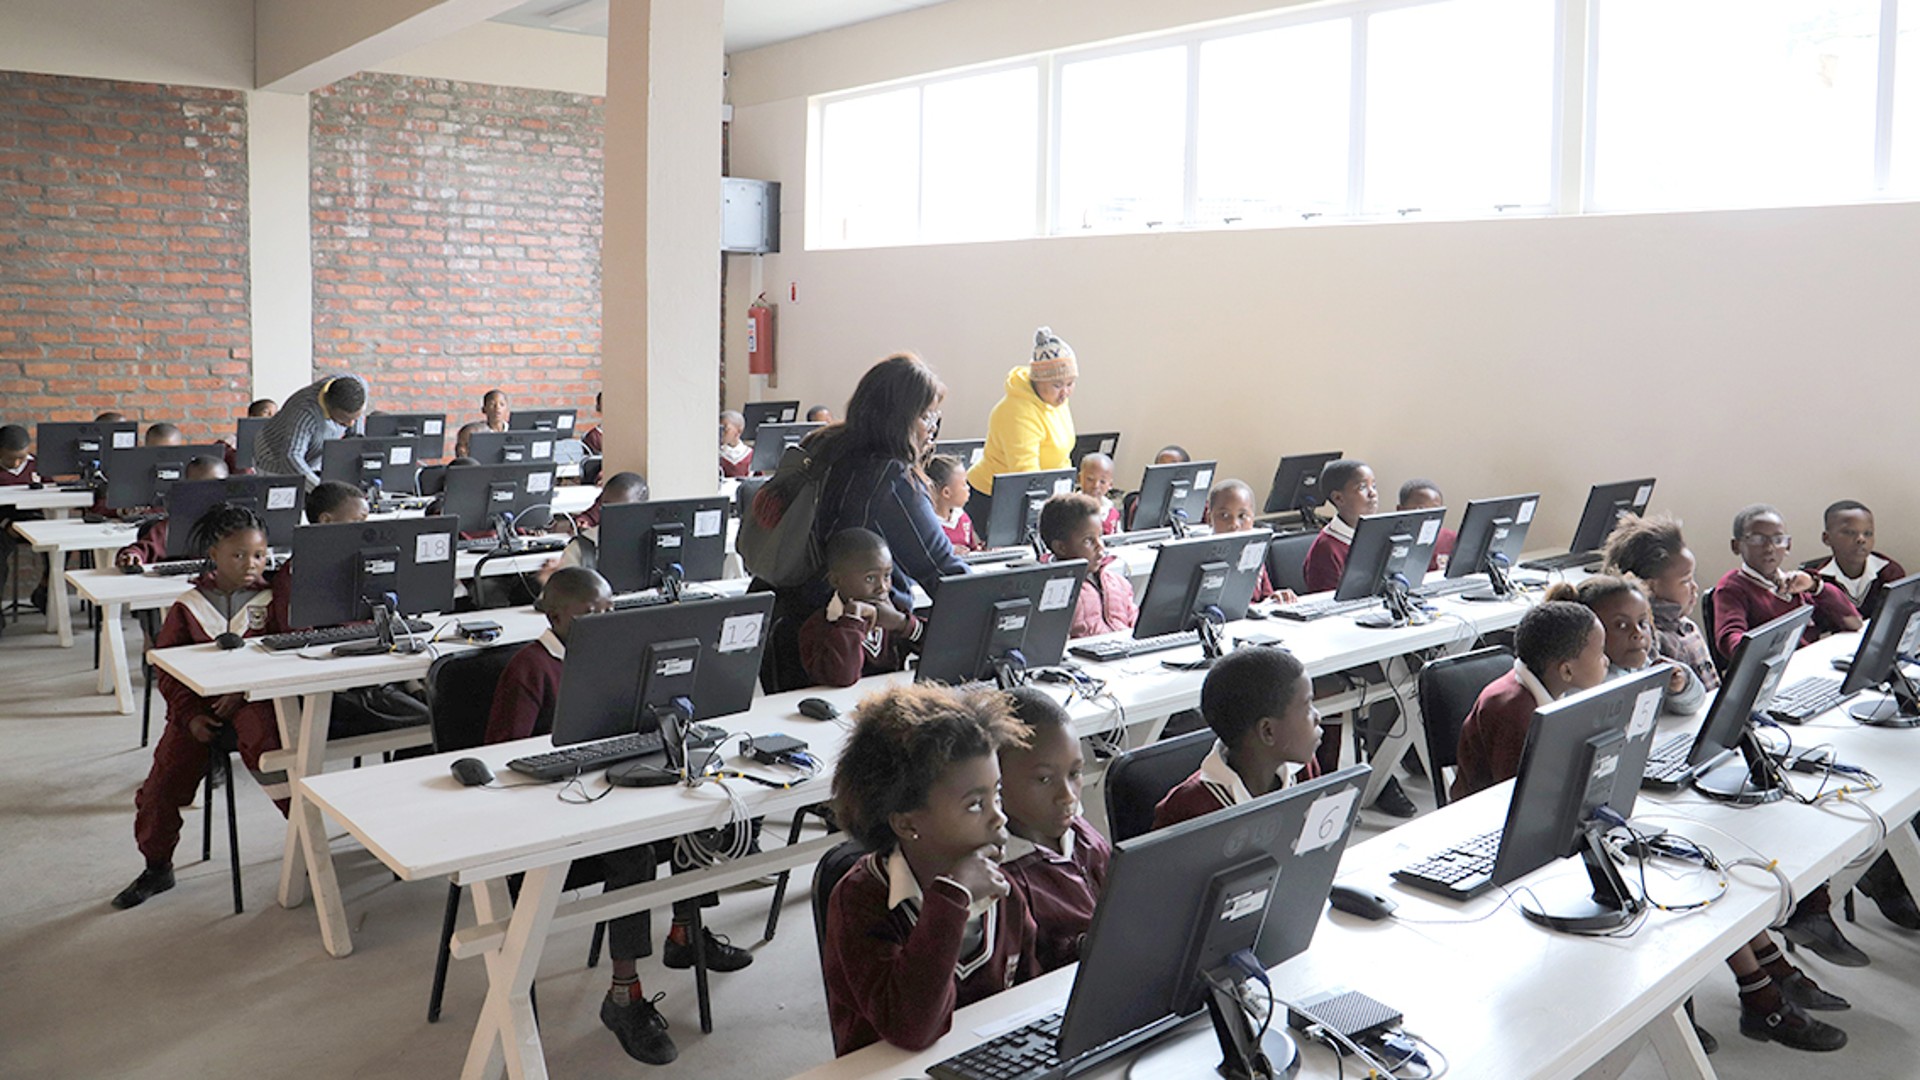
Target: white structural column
(660, 242)
(280, 243)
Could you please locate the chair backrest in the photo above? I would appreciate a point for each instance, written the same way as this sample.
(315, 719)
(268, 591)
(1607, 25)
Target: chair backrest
(1137, 780)
(460, 695)
(431, 480)
(1448, 688)
(832, 867)
(780, 666)
(1720, 659)
(1287, 561)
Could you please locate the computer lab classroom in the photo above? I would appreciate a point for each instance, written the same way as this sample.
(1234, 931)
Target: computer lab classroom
(1606, 260)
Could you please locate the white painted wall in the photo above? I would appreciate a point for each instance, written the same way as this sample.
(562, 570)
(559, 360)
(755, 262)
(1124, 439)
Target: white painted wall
(279, 242)
(1739, 356)
(186, 42)
(496, 54)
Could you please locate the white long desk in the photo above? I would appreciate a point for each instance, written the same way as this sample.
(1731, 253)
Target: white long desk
(116, 594)
(51, 501)
(55, 538)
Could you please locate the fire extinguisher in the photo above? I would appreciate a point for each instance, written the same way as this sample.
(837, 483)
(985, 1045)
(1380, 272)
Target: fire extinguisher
(760, 337)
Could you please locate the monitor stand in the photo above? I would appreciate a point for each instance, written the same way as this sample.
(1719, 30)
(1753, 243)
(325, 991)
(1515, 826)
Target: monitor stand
(1901, 710)
(1401, 608)
(1748, 779)
(1607, 903)
(1499, 580)
(385, 640)
(1245, 1053)
(1213, 644)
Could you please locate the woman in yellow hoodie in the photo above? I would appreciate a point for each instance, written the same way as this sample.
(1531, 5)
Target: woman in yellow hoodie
(1032, 427)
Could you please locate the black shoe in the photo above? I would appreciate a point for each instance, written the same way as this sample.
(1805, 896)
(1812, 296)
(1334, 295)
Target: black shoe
(39, 599)
(1807, 994)
(1393, 800)
(641, 1028)
(1791, 1027)
(1819, 933)
(1883, 885)
(722, 955)
(151, 882)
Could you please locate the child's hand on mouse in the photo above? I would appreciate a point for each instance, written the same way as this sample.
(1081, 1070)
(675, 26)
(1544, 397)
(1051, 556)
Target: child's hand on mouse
(203, 728)
(979, 873)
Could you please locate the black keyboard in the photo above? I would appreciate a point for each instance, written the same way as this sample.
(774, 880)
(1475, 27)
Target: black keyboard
(1025, 1053)
(1122, 648)
(526, 544)
(585, 757)
(334, 635)
(1450, 586)
(1322, 607)
(1667, 764)
(174, 568)
(1572, 560)
(632, 601)
(1137, 536)
(1799, 702)
(996, 555)
(1462, 871)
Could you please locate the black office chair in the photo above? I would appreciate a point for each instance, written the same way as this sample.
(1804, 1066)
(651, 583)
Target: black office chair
(1720, 659)
(1137, 780)
(1449, 687)
(833, 866)
(821, 810)
(430, 480)
(1287, 561)
(220, 751)
(780, 667)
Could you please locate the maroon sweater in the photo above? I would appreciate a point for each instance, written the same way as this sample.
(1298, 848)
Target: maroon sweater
(896, 973)
(151, 544)
(1494, 735)
(1741, 603)
(1326, 561)
(1203, 792)
(1442, 548)
(1869, 604)
(594, 441)
(183, 627)
(846, 650)
(28, 474)
(1061, 891)
(523, 700)
(734, 470)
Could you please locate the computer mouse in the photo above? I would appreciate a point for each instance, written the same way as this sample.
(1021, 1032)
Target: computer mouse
(131, 568)
(1257, 613)
(229, 640)
(472, 772)
(1360, 902)
(1842, 663)
(814, 708)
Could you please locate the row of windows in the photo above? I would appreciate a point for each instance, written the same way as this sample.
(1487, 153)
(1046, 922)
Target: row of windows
(1386, 110)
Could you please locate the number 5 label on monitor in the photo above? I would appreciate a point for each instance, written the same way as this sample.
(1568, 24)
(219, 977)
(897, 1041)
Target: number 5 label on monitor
(1326, 820)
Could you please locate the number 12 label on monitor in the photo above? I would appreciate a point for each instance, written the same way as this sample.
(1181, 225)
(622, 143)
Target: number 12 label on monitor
(739, 633)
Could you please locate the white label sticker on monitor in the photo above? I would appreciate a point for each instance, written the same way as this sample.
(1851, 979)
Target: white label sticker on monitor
(539, 482)
(1326, 820)
(1251, 555)
(400, 455)
(543, 449)
(739, 633)
(432, 547)
(1526, 512)
(1641, 497)
(281, 498)
(1645, 708)
(707, 522)
(1429, 530)
(1605, 766)
(433, 427)
(1063, 486)
(1055, 593)
(565, 423)
(123, 440)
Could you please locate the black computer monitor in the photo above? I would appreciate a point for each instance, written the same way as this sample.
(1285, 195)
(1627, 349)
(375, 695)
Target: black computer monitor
(1492, 534)
(996, 623)
(63, 449)
(1605, 504)
(277, 499)
(1390, 553)
(246, 434)
(774, 440)
(480, 494)
(1585, 751)
(1202, 583)
(645, 545)
(1093, 442)
(1758, 665)
(1296, 485)
(969, 451)
(141, 475)
(374, 465)
(510, 447)
(558, 421)
(428, 429)
(1173, 495)
(379, 569)
(1181, 901)
(1017, 499)
(755, 413)
(659, 669)
(1889, 638)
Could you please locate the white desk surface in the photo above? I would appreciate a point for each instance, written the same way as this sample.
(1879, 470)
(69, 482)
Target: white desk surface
(72, 534)
(135, 591)
(47, 498)
(573, 498)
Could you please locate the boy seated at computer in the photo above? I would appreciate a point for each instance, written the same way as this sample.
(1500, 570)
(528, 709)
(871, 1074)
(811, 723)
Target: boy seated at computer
(1559, 647)
(1422, 494)
(1055, 858)
(1760, 590)
(1170, 454)
(1096, 482)
(1351, 491)
(150, 543)
(1070, 528)
(584, 548)
(1852, 563)
(859, 632)
(1230, 510)
(1259, 703)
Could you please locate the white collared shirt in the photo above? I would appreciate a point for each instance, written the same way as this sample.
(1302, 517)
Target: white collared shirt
(1777, 585)
(736, 453)
(1019, 847)
(1532, 682)
(1225, 783)
(554, 646)
(1339, 530)
(1855, 588)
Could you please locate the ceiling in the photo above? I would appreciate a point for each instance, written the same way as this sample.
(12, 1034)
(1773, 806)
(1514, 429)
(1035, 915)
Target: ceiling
(750, 23)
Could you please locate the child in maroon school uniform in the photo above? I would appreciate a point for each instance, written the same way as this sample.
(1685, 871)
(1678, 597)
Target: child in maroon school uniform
(1350, 489)
(736, 457)
(1230, 510)
(1859, 571)
(1259, 703)
(924, 922)
(1070, 527)
(1559, 647)
(859, 632)
(1055, 858)
(17, 470)
(1426, 495)
(227, 602)
(1759, 590)
(947, 490)
(150, 545)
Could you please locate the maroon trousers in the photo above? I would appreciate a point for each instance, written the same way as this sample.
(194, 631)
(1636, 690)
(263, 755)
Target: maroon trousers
(179, 766)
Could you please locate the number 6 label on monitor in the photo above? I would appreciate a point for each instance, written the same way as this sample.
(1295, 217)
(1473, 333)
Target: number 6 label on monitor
(1326, 820)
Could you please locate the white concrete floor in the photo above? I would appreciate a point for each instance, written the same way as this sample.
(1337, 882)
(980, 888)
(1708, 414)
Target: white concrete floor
(181, 986)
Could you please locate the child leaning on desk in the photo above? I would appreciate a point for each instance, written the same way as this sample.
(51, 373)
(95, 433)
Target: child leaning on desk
(1055, 859)
(924, 922)
(1070, 528)
(1259, 703)
(229, 598)
(859, 632)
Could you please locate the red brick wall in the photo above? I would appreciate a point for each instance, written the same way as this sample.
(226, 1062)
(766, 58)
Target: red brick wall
(456, 242)
(123, 246)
